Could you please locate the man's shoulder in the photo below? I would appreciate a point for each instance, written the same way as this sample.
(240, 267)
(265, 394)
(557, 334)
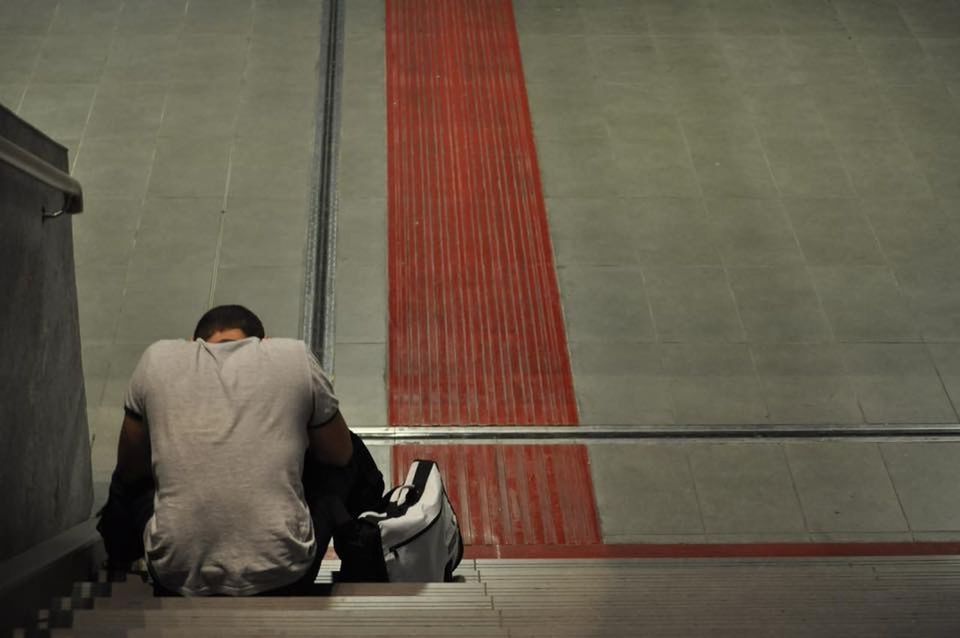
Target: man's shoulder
(168, 346)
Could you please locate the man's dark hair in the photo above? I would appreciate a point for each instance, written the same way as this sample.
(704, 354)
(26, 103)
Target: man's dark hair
(228, 318)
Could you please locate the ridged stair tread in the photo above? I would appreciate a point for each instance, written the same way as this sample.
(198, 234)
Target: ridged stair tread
(299, 603)
(461, 630)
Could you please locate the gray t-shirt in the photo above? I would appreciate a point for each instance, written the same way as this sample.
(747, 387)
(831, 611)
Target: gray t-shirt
(228, 432)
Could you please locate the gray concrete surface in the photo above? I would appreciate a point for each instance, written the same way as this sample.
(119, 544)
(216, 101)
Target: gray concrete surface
(45, 456)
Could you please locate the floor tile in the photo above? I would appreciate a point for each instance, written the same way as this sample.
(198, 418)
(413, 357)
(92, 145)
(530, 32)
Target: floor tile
(832, 59)
(931, 19)
(190, 167)
(654, 168)
(587, 172)
(361, 304)
(883, 169)
(913, 233)
(151, 17)
(762, 61)
(745, 18)
(939, 159)
(123, 359)
(277, 113)
(806, 384)
(808, 18)
(864, 303)
(72, 58)
(605, 303)
(613, 18)
(644, 489)
(283, 61)
(779, 305)
(691, 59)
(844, 487)
(99, 300)
(591, 232)
(946, 357)
(924, 110)
(898, 61)
(177, 236)
(200, 110)
(59, 110)
(671, 18)
(745, 488)
(548, 18)
(563, 111)
(833, 232)
(285, 18)
(692, 304)
(943, 55)
(218, 17)
(620, 383)
(220, 60)
(274, 293)
(141, 58)
(672, 231)
(10, 95)
(871, 17)
(731, 169)
(934, 297)
(362, 233)
(753, 232)
(785, 112)
(264, 232)
(104, 234)
(108, 170)
(897, 383)
(711, 102)
(261, 168)
(86, 17)
(920, 471)
(807, 167)
(854, 110)
(22, 17)
(18, 56)
(556, 59)
(163, 305)
(364, 59)
(96, 365)
(362, 171)
(123, 109)
(713, 384)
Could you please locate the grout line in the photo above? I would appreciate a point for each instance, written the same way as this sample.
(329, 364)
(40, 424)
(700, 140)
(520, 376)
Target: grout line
(893, 486)
(796, 489)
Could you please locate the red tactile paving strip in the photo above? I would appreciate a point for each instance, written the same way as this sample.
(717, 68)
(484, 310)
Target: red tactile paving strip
(476, 333)
(522, 495)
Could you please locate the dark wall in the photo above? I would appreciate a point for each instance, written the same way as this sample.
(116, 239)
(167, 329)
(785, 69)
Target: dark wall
(45, 478)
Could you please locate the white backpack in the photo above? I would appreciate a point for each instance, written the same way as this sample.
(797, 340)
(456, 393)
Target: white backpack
(419, 534)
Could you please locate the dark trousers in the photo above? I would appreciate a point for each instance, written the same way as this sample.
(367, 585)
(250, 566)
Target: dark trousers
(332, 493)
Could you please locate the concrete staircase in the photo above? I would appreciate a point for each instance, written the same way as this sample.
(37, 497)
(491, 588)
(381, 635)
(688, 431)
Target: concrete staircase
(664, 597)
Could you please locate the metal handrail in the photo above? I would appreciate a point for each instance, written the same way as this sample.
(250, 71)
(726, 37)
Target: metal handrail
(28, 163)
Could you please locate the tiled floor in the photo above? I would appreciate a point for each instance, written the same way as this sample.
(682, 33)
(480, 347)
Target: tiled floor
(754, 208)
(190, 126)
(769, 187)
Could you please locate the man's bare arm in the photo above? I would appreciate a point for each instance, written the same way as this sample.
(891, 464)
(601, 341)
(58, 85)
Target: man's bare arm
(133, 451)
(330, 442)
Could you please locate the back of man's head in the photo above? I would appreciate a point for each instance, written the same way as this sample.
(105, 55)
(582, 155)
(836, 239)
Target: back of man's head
(230, 317)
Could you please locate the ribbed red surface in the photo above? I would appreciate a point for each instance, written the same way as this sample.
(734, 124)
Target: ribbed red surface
(514, 494)
(475, 325)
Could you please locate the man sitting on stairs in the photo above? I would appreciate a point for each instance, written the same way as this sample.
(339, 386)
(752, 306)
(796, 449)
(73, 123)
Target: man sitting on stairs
(230, 446)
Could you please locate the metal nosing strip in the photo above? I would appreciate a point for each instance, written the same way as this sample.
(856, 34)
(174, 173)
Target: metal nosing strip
(588, 433)
(317, 319)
